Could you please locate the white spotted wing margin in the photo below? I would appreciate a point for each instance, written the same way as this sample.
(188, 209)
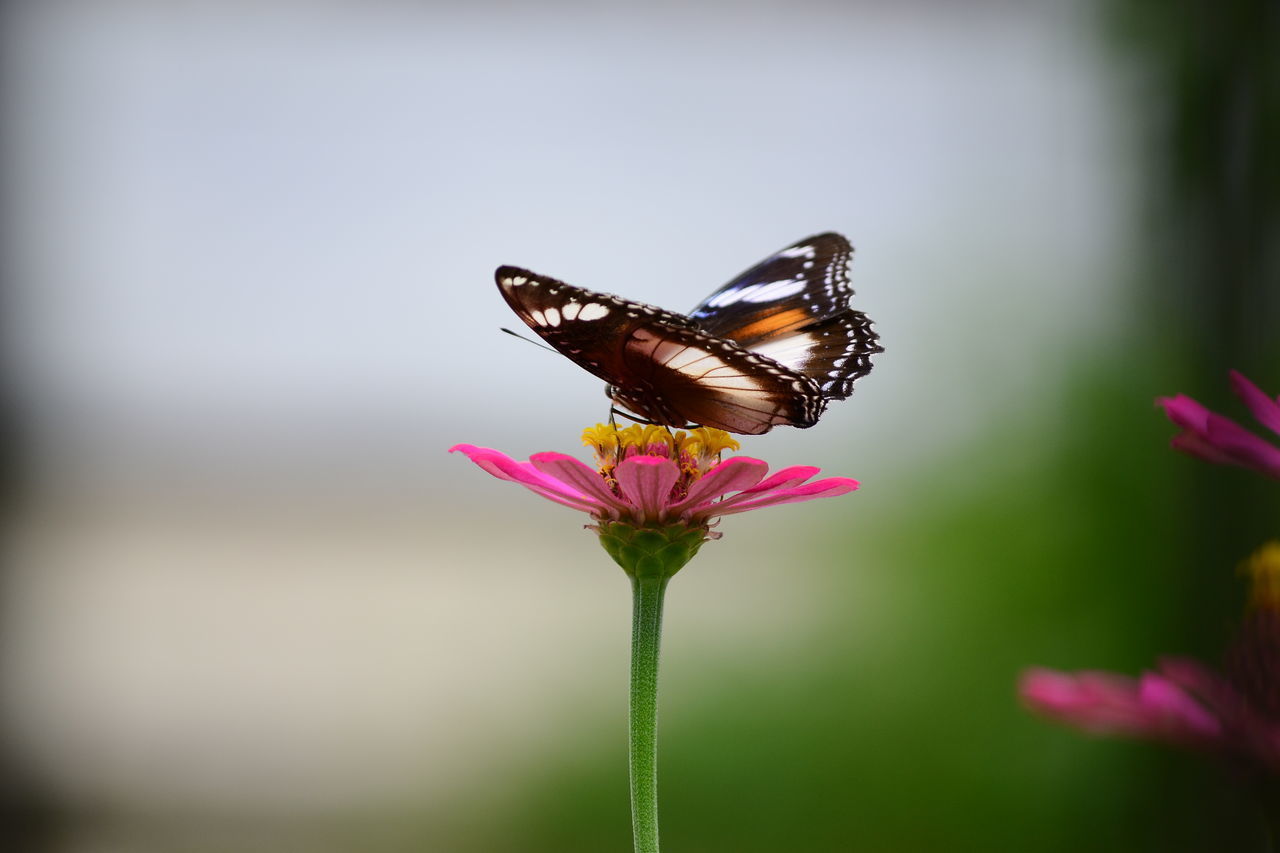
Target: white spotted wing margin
(659, 365)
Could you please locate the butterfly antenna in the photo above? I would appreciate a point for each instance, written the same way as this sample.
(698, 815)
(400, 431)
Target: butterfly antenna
(526, 340)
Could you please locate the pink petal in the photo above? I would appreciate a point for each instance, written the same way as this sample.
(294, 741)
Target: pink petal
(1180, 715)
(1195, 444)
(1219, 439)
(505, 468)
(1185, 412)
(1094, 701)
(740, 472)
(1252, 733)
(783, 479)
(1203, 682)
(1243, 447)
(1266, 410)
(1048, 688)
(579, 475)
(1193, 675)
(646, 482)
(828, 488)
(1104, 703)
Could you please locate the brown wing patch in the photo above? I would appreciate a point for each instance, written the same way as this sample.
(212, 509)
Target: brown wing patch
(679, 376)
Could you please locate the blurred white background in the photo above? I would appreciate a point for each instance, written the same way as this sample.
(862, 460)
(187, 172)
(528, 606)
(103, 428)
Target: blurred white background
(251, 305)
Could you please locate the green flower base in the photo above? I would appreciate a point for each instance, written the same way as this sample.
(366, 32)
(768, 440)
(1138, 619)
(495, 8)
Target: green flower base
(651, 552)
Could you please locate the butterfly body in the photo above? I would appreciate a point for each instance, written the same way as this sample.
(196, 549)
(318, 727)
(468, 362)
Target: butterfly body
(770, 348)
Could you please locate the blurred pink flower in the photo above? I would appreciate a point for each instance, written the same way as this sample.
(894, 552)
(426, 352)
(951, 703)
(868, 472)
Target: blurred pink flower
(1219, 439)
(1183, 703)
(1151, 706)
(649, 476)
(1235, 713)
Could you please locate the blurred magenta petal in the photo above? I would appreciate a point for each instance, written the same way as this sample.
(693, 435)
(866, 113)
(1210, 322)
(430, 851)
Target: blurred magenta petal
(1178, 713)
(1093, 701)
(1104, 703)
(1218, 439)
(1243, 447)
(1185, 412)
(1183, 703)
(1265, 410)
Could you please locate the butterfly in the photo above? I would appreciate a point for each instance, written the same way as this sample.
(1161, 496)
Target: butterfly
(772, 347)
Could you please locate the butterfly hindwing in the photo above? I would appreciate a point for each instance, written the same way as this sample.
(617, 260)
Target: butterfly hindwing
(834, 353)
(794, 307)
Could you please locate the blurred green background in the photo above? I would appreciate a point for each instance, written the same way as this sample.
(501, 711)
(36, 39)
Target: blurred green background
(250, 605)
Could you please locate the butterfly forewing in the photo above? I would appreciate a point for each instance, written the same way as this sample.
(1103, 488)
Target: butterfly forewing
(586, 326)
(803, 284)
(660, 366)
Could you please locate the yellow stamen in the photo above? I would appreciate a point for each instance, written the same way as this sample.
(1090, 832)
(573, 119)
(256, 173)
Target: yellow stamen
(701, 446)
(1263, 571)
(709, 442)
(601, 436)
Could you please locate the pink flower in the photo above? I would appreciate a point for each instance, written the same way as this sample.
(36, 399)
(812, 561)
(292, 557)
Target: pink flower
(655, 494)
(1219, 439)
(650, 476)
(1235, 714)
(1183, 703)
(1151, 706)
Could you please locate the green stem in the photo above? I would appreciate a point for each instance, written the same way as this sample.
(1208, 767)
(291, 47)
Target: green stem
(646, 633)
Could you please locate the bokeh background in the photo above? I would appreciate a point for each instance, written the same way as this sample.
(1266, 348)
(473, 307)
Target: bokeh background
(250, 604)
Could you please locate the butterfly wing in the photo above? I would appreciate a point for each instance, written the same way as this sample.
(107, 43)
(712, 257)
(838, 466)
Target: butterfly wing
(794, 308)
(659, 365)
(805, 283)
(833, 353)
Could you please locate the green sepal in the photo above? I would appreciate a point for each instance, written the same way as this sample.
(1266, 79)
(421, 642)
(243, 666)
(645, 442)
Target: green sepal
(658, 551)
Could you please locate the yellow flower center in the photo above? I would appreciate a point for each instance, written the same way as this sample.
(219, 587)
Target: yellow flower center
(1263, 571)
(696, 451)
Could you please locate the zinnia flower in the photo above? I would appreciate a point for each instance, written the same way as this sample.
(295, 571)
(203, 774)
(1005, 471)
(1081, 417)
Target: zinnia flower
(654, 496)
(657, 493)
(1219, 439)
(1235, 713)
